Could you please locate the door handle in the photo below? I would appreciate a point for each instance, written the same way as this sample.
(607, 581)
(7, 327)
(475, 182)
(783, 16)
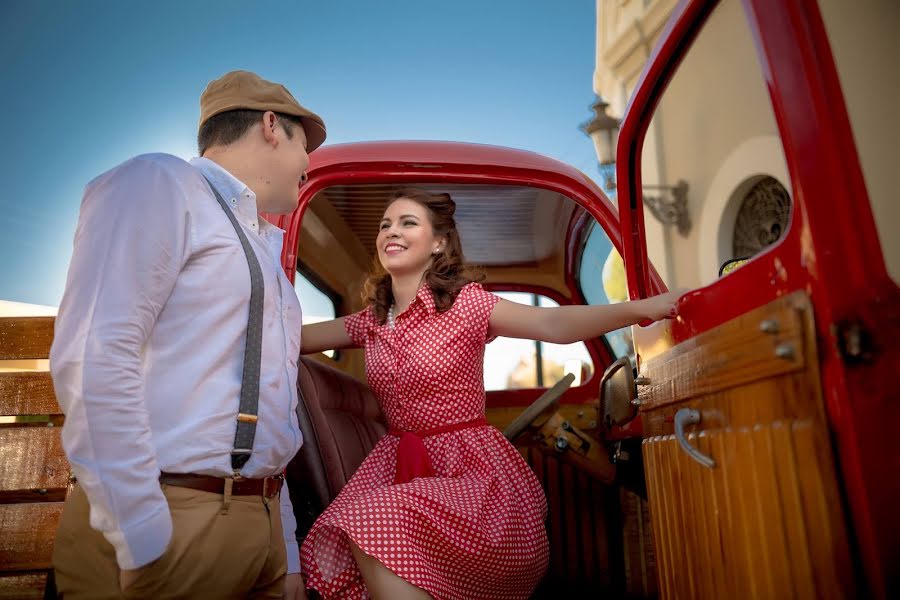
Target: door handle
(690, 416)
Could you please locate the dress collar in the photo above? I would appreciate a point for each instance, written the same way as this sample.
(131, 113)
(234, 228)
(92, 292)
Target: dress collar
(425, 298)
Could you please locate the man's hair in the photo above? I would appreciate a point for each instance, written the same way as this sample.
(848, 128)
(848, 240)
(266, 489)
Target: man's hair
(229, 126)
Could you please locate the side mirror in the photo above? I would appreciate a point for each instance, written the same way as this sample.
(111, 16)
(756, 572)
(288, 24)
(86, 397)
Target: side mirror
(617, 390)
(732, 265)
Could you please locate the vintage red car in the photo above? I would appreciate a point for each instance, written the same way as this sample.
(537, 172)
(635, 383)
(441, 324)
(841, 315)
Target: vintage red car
(743, 449)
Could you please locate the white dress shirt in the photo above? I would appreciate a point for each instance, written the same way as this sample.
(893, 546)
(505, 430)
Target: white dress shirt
(149, 345)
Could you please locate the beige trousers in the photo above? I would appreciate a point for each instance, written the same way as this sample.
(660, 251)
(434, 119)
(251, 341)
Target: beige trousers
(220, 548)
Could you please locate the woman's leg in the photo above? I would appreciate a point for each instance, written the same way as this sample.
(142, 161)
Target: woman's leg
(384, 584)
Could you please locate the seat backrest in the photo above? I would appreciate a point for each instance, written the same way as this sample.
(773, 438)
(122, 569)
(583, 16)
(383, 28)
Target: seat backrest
(341, 422)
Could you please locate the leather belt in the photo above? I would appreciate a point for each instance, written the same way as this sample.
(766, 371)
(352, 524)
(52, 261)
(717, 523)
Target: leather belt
(267, 487)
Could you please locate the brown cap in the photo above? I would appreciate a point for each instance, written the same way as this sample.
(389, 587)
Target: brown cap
(246, 90)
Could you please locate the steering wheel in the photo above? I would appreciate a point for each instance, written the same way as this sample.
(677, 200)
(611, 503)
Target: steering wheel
(538, 407)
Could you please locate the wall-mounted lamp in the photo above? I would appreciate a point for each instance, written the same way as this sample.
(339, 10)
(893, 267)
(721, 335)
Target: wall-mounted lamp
(604, 131)
(669, 208)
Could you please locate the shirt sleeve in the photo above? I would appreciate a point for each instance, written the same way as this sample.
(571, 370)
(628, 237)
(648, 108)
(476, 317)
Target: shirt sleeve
(358, 326)
(131, 242)
(480, 304)
(289, 526)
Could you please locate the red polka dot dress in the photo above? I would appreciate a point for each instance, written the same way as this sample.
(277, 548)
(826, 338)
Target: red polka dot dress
(474, 529)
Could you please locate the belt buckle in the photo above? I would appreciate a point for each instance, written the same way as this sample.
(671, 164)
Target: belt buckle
(272, 485)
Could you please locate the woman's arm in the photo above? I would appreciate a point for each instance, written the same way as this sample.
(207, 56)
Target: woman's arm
(328, 335)
(568, 324)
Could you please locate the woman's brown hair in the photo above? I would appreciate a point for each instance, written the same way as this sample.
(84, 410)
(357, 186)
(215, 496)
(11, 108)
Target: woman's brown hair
(448, 272)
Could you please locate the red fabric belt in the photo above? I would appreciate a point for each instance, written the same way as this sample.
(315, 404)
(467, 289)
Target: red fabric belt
(412, 457)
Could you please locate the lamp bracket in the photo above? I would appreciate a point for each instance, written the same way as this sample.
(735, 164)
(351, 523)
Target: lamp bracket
(670, 207)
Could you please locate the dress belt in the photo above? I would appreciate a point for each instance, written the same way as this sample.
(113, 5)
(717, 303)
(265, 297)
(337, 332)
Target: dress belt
(266, 487)
(412, 457)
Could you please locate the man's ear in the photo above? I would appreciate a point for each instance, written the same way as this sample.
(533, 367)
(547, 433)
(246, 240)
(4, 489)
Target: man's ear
(269, 127)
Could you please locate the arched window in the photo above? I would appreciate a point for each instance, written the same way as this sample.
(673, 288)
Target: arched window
(762, 218)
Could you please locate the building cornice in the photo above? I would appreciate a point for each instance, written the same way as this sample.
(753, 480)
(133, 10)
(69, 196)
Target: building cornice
(624, 56)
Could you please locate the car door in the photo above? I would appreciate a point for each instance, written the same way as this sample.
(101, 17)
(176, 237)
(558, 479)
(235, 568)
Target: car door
(767, 405)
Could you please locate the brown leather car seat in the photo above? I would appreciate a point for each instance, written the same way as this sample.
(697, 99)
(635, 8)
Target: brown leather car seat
(341, 422)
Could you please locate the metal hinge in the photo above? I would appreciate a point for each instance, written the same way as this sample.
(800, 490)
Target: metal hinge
(854, 342)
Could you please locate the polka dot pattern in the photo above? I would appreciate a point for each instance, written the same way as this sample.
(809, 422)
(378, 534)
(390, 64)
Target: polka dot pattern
(476, 529)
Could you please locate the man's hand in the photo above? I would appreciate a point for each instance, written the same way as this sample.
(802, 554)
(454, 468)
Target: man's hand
(294, 588)
(126, 578)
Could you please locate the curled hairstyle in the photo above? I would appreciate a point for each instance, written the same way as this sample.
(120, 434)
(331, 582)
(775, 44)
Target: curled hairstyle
(448, 272)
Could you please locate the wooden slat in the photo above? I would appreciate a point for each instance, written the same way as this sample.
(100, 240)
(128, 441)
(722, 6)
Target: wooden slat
(23, 586)
(554, 506)
(687, 539)
(579, 526)
(587, 552)
(829, 553)
(34, 472)
(764, 523)
(759, 520)
(703, 526)
(28, 533)
(631, 540)
(572, 505)
(25, 337)
(32, 458)
(733, 354)
(603, 529)
(716, 523)
(27, 394)
(796, 530)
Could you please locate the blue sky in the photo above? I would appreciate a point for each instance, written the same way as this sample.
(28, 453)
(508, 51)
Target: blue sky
(89, 84)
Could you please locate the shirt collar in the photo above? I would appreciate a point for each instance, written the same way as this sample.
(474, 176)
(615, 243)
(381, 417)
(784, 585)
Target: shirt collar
(237, 195)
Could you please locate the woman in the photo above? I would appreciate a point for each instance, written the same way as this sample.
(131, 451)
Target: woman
(444, 506)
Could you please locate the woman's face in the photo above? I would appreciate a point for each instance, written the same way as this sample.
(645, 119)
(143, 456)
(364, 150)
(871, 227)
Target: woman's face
(406, 242)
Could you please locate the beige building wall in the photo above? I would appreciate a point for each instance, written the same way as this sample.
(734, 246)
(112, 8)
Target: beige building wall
(865, 42)
(715, 127)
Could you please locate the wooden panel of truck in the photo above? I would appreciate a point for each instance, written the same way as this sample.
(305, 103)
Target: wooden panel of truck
(767, 519)
(34, 472)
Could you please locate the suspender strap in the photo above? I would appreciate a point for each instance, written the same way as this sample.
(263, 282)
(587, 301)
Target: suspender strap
(249, 407)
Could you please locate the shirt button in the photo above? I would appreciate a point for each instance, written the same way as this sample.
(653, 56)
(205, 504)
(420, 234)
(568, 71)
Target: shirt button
(234, 200)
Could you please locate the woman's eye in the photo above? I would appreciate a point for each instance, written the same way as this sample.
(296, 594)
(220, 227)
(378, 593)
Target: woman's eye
(384, 226)
(408, 223)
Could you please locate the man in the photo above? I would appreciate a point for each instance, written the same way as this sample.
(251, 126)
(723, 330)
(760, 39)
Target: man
(175, 361)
